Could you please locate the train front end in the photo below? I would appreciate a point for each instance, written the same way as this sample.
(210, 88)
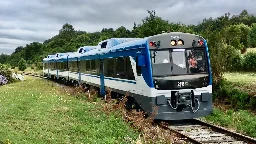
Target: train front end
(181, 76)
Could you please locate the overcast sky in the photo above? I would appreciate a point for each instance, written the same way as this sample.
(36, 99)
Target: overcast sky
(25, 21)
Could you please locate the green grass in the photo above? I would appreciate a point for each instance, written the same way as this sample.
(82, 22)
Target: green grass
(35, 111)
(251, 49)
(242, 121)
(243, 78)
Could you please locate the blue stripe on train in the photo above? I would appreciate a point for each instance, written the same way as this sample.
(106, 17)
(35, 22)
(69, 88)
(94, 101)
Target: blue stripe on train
(109, 78)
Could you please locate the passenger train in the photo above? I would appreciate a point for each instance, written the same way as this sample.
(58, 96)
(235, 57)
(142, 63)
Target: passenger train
(170, 70)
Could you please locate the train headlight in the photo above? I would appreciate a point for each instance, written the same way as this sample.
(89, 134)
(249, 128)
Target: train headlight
(180, 42)
(173, 42)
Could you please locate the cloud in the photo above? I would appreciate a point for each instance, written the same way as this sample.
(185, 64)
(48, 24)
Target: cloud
(22, 21)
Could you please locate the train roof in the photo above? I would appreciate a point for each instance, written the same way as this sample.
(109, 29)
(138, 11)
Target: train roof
(120, 44)
(62, 56)
(138, 42)
(86, 48)
(115, 41)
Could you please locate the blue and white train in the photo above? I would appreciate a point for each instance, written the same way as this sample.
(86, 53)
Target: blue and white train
(169, 70)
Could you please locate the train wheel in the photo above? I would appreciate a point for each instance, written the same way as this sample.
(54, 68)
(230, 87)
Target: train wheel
(75, 83)
(64, 81)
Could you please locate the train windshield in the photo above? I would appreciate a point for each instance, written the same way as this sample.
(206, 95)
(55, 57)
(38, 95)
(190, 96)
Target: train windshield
(178, 62)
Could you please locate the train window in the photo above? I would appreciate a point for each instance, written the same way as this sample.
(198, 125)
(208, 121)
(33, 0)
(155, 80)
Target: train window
(88, 66)
(73, 66)
(60, 65)
(57, 65)
(97, 64)
(129, 71)
(78, 66)
(109, 67)
(138, 68)
(50, 66)
(65, 65)
(70, 66)
(104, 44)
(83, 66)
(120, 68)
(93, 67)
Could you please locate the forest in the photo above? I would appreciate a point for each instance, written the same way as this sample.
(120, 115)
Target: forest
(228, 38)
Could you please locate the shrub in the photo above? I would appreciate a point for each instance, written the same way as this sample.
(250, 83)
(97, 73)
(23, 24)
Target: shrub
(220, 54)
(249, 62)
(22, 65)
(39, 65)
(235, 61)
(6, 72)
(238, 99)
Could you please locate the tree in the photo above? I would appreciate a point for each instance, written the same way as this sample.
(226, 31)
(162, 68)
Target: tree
(252, 35)
(4, 58)
(22, 64)
(66, 28)
(18, 49)
(122, 32)
(152, 25)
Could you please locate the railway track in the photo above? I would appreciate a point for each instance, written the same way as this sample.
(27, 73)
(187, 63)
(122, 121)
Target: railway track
(199, 132)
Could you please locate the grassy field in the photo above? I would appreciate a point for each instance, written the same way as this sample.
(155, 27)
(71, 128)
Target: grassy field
(243, 78)
(251, 49)
(36, 111)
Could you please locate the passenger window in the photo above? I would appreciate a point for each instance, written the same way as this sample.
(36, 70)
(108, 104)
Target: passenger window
(129, 71)
(120, 68)
(109, 67)
(138, 68)
(93, 67)
(88, 66)
(97, 64)
(82, 66)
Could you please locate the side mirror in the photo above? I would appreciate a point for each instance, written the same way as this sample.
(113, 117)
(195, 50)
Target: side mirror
(141, 60)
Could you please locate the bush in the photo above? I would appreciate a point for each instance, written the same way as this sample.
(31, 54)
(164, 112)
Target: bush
(6, 72)
(22, 65)
(238, 99)
(220, 55)
(238, 62)
(235, 61)
(249, 62)
(39, 66)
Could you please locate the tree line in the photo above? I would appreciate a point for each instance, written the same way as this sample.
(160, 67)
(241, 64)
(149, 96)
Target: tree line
(227, 36)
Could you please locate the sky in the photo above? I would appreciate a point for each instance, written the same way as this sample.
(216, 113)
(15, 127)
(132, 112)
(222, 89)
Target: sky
(26, 21)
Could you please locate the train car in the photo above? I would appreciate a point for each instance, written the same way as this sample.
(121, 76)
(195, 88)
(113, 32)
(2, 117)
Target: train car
(170, 70)
(56, 65)
(48, 67)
